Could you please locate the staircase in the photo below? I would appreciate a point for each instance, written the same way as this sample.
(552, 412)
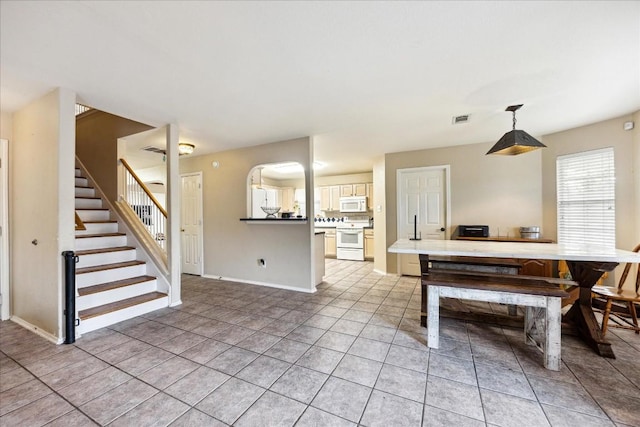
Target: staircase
(112, 285)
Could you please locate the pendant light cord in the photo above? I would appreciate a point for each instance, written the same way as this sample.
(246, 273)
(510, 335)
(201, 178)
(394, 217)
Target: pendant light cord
(514, 120)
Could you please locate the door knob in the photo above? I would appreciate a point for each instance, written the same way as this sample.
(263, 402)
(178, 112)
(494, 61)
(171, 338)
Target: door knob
(441, 228)
(182, 229)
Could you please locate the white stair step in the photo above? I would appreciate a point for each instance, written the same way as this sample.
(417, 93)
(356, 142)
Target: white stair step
(88, 203)
(99, 241)
(82, 182)
(85, 192)
(95, 257)
(93, 214)
(98, 227)
(148, 303)
(78, 172)
(89, 276)
(107, 293)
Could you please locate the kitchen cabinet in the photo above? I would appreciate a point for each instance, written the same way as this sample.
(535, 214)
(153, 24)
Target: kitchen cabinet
(330, 198)
(348, 190)
(287, 199)
(369, 188)
(319, 257)
(330, 250)
(360, 189)
(368, 243)
(325, 198)
(335, 197)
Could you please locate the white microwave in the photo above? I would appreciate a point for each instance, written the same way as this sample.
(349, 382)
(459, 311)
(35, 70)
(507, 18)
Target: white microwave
(353, 204)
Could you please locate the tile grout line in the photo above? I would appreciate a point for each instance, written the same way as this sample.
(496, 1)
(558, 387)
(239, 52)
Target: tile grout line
(52, 390)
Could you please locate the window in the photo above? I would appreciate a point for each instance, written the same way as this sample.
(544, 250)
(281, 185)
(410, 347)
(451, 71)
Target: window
(586, 198)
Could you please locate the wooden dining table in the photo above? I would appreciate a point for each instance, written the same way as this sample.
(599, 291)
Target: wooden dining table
(586, 263)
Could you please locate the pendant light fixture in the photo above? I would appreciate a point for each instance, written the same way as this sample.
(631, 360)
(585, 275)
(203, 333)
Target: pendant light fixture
(515, 141)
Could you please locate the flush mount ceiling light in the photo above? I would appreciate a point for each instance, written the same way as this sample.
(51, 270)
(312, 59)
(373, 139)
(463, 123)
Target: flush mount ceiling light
(184, 148)
(515, 141)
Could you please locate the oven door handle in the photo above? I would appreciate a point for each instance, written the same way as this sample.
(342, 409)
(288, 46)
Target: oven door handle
(355, 233)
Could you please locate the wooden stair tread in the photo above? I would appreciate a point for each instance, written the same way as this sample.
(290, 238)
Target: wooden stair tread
(88, 236)
(104, 250)
(92, 209)
(104, 267)
(106, 221)
(119, 305)
(102, 287)
(83, 186)
(88, 198)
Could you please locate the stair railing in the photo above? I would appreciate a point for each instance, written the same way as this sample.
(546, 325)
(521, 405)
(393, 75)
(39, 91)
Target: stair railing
(151, 214)
(79, 224)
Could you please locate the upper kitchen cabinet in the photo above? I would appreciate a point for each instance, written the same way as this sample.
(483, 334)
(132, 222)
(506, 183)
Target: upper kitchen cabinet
(348, 190)
(370, 196)
(280, 185)
(330, 189)
(330, 198)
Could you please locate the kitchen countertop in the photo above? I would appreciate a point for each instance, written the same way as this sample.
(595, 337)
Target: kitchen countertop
(275, 220)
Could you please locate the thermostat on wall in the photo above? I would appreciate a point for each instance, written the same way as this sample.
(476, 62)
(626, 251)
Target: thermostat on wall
(628, 125)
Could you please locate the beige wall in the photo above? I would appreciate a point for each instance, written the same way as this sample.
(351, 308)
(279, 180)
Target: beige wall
(379, 217)
(355, 178)
(232, 247)
(97, 146)
(636, 171)
(42, 206)
(609, 133)
(6, 126)
(499, 191)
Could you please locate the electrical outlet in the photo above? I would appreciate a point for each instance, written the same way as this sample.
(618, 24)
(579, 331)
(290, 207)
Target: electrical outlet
(262, 263)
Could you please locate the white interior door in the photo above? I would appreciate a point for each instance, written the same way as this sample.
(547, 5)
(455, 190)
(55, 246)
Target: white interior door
(5, 309)
(191, 227)
(421, 206)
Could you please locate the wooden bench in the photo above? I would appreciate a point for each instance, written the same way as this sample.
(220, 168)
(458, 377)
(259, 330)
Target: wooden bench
(540, 295)
(473, 264)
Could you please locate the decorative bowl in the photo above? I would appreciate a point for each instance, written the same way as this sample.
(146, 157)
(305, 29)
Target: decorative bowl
(270, 211)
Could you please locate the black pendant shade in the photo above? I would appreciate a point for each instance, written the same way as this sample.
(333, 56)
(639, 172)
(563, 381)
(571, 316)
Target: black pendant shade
(515, 141)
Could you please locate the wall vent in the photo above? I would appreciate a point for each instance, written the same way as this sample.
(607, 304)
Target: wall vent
(460, 119)
(153, 149)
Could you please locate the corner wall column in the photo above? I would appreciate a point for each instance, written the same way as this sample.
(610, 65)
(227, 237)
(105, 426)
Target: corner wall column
(173, 220)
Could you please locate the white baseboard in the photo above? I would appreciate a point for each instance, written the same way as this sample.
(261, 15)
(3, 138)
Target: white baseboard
(44, 334)
(269, 285)
(384, 273)
(179, 302)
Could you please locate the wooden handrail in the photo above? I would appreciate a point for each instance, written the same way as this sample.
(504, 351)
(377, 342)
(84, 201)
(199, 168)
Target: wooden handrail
(144, 187)
(79, 224)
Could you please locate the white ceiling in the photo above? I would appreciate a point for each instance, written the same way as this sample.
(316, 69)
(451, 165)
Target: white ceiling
(362, 78)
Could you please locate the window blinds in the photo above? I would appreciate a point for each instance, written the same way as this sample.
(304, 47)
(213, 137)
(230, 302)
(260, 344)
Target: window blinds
(586, 198)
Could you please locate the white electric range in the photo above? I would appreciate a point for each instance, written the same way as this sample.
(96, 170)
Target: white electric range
(350, 238)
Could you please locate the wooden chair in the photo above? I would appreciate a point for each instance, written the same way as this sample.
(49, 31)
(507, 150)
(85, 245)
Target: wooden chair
(619, 302)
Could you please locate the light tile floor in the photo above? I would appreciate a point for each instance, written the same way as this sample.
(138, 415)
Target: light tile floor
(351, 354)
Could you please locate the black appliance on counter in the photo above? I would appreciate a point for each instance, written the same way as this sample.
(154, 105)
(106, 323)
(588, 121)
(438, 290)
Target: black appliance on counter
(473, 230)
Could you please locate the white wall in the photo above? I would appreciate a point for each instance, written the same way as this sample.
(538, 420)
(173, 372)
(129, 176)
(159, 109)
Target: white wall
(232, 247)
(42, 209)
